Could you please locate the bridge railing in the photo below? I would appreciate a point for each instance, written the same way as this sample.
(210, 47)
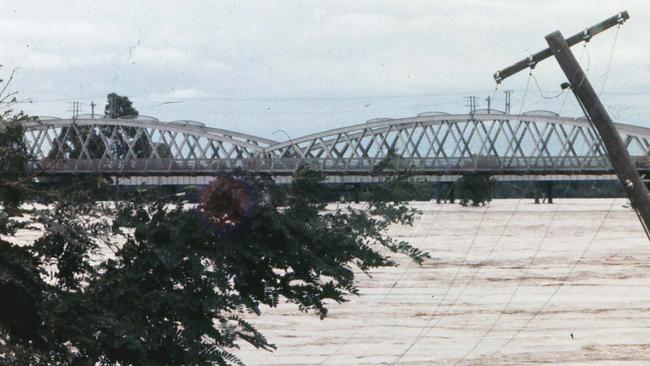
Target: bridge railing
(331, 165)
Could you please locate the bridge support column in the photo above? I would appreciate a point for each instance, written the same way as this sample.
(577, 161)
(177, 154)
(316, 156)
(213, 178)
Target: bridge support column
(452, 192)
(357, 194)
(549, 192)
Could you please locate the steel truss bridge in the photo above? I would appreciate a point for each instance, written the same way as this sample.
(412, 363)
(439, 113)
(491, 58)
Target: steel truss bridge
(432, 144)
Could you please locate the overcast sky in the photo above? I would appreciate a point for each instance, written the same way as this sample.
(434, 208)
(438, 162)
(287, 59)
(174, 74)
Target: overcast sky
(306, 66)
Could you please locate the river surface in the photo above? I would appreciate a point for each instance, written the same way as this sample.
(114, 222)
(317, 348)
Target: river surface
(512, 283)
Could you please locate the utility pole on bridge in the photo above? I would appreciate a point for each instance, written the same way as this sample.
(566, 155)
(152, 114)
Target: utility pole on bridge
(471, 103)
(595, 111)
(507, 93)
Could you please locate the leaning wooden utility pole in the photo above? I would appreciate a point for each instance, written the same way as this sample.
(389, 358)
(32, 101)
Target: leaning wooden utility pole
(586, 95)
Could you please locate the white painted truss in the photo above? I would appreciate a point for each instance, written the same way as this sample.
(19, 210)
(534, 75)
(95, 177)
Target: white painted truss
(432, 143)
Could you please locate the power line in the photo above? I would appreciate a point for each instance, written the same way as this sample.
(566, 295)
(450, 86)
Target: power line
(490, 253)
(562, 281)
(566, 96)
(491, 328)
(279, 98)
(513, 294)
(609, 62)
(424, 329)
(399, 279)
(271, 98)
(542, 93)
(534, 257)
(256, 99)
(523, 99)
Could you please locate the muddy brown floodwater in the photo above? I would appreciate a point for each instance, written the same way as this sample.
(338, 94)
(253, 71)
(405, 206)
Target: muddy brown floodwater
(513, 283)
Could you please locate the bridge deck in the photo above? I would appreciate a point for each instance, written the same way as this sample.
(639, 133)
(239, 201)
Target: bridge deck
(438, 144)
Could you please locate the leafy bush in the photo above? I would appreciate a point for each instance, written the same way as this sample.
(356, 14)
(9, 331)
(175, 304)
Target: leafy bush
(178, 280)
(475, 188)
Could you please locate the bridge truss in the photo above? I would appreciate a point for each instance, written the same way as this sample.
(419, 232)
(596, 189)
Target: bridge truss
(431, 143)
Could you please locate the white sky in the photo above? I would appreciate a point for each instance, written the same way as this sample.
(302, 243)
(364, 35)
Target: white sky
(306, 66)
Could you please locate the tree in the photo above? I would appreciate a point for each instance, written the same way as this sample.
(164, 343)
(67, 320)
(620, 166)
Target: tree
(119, 106)
(178, 279)
(174, 292)
(13, 154)
(475, 188)
(38, 281)
(13, 160)
(79, 142)
(276, 244)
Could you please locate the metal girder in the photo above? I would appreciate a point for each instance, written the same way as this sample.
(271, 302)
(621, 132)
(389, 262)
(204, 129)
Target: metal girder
(104, 139)
(496, 142)
(461, 135)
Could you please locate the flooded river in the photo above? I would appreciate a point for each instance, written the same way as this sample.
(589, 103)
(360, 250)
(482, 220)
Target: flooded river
(512, 283)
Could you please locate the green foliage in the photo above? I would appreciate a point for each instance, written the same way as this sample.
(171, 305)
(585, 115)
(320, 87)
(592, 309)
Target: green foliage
(570, 189)
(119, 106)
(86, 142)
(475, 188)
(159, 283)
(69, 144)
(183, 274)
(41, 283)
(13, 159)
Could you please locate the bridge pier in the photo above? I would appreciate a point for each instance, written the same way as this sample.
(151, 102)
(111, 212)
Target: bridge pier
(356, 188)
(537, 192)
(452, 192)
(549, 192)
(445, 195)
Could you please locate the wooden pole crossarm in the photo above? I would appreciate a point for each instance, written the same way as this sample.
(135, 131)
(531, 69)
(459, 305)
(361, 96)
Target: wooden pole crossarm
(585, 36)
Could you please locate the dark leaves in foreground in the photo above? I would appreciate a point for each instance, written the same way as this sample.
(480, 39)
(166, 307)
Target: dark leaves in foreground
(185, 273)
(178, 281)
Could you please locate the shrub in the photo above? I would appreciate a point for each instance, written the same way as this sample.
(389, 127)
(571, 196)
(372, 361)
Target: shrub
(476, 188)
